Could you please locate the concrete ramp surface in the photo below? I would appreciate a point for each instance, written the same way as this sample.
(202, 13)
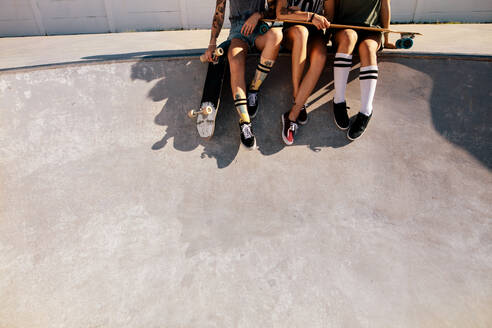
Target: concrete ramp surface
(114, 213)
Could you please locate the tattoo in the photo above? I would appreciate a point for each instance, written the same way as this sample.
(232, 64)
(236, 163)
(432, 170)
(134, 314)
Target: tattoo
(287, 11)
(218, 18)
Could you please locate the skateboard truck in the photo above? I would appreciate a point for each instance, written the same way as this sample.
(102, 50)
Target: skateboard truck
(217, 53)
(405, 41)
(204, 111)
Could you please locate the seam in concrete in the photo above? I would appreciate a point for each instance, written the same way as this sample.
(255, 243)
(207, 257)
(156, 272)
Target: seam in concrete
(183, 14)
(195, 56)
(109, 15)
(415, 10)
(38, 17)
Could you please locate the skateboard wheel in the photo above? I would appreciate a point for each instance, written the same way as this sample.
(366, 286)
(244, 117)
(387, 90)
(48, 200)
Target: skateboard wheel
(405, 43)
(219, 52)
(264, 27)
(207, 110)
(191, 114)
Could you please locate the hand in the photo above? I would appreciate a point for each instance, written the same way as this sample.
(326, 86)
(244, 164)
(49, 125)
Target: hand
(209, 54)
(320, 22)
(387, 43)
(250, 24)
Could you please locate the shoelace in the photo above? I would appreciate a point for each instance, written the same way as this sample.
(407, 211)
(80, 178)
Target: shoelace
(246, 131)
(293, 127)
(252, 98)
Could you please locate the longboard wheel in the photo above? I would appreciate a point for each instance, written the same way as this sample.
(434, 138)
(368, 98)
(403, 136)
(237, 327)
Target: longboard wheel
(405, 43)
(264, 27)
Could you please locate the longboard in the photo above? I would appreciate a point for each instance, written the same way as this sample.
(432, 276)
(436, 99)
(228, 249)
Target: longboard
(212, 89)
(405, 41)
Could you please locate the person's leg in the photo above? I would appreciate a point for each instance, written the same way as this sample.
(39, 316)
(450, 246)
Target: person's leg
(296, 38)
(368, 80)
(237, 61)
(269, 45)
(317, 56)
(317, 59)
(346, 41)
(368, 72)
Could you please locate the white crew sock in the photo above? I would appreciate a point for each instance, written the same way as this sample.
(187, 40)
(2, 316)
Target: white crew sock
(341, 70)
(368, 78)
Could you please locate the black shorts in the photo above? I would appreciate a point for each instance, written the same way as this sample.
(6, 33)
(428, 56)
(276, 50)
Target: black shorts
(313, 31)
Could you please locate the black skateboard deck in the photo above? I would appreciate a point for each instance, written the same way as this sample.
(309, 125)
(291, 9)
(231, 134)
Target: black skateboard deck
(212, 90)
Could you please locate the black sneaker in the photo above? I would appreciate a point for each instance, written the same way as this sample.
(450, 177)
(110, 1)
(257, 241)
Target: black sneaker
(358, 127)
(247, 136)
(303, 117)
(341, 115)
(252, 103)
(289, 129)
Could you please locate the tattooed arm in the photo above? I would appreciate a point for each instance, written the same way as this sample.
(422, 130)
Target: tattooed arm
(284, 12)
(217, 23)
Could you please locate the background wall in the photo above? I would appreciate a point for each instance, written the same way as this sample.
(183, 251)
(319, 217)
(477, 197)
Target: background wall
(49, 17)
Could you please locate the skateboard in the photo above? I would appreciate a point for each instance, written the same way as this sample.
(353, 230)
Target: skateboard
(212, 89)
(405, 41)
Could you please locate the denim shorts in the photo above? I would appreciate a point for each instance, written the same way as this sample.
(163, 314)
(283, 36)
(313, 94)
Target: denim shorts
(235, 32)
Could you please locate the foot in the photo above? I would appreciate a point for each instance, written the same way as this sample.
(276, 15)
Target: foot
(303, 117)
(359, 126)
(252, 103)
(247, 136)
(341, 115)
(289, 129)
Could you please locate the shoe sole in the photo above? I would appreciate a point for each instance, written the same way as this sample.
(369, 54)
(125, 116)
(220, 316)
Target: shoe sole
(348, 137)
(246, 147)
(283, 137)
(338, 126)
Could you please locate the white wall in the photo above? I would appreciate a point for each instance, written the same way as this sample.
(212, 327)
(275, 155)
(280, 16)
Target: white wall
(40, 17)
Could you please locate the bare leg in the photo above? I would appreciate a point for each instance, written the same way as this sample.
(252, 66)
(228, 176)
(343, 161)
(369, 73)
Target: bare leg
(296, 39)
(237, 61)
(368, 51)
(269, 45)
(317, 57)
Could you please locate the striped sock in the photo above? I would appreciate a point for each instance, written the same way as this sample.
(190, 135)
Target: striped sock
(341, 70)
(241, 105)
(368, 78)
(264, 67)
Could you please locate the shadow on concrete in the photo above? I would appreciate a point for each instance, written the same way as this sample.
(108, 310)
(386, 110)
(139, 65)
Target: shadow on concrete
(180, 85)
(460, 99)
(456, 93)
(147, 55)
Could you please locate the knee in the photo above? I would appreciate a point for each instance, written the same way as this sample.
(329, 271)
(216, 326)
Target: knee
(236, 57)
(368, 47)
(274, 36)
(346, 37)
(300, 34)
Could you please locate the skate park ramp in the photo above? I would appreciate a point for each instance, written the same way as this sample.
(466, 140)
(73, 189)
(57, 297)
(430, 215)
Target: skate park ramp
(114, 213)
